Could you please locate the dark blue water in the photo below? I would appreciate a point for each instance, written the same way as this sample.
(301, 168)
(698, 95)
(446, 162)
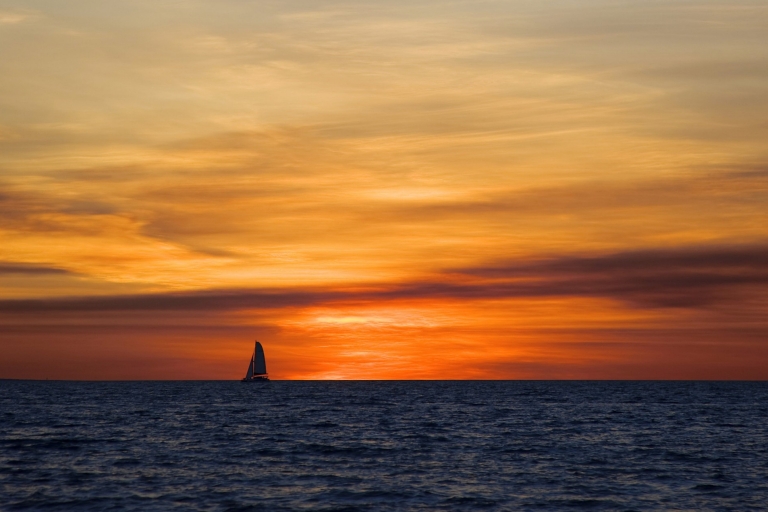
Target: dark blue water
(383, 446)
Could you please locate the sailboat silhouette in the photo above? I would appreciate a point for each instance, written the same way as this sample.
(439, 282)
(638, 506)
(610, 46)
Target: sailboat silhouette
(257, 368)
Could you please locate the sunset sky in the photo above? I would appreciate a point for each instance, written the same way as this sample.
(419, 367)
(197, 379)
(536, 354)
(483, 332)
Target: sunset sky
(392, 189)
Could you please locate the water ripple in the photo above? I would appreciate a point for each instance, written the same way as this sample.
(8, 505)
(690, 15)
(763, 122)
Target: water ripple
(383, 446)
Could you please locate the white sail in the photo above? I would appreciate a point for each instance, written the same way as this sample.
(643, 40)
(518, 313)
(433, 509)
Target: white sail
(259, 364)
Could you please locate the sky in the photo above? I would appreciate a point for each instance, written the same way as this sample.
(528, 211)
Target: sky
(413, 189)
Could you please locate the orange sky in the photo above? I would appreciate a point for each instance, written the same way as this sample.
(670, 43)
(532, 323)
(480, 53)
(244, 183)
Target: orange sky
(406, 190)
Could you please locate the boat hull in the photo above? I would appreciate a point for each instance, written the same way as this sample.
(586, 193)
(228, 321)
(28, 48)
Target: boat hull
(256, 379)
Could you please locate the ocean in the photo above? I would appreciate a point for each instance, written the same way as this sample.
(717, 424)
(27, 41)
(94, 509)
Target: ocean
(383, 445)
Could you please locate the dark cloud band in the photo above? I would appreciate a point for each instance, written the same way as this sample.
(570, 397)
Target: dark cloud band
(29, 269)
(692, 277)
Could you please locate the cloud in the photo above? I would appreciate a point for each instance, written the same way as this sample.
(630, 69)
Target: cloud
(48, 208)
(12, 18)
(726, 71)
(10, 267)
(749, 259)
(675, 277)
(688, 277)
(208, 300)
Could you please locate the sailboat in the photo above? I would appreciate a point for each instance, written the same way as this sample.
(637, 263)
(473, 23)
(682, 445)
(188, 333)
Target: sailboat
(257, 368)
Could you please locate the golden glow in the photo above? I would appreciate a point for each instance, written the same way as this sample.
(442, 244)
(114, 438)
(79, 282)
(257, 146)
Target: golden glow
(362, 171)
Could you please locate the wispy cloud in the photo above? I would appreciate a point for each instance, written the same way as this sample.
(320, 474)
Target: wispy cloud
(13, 18)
